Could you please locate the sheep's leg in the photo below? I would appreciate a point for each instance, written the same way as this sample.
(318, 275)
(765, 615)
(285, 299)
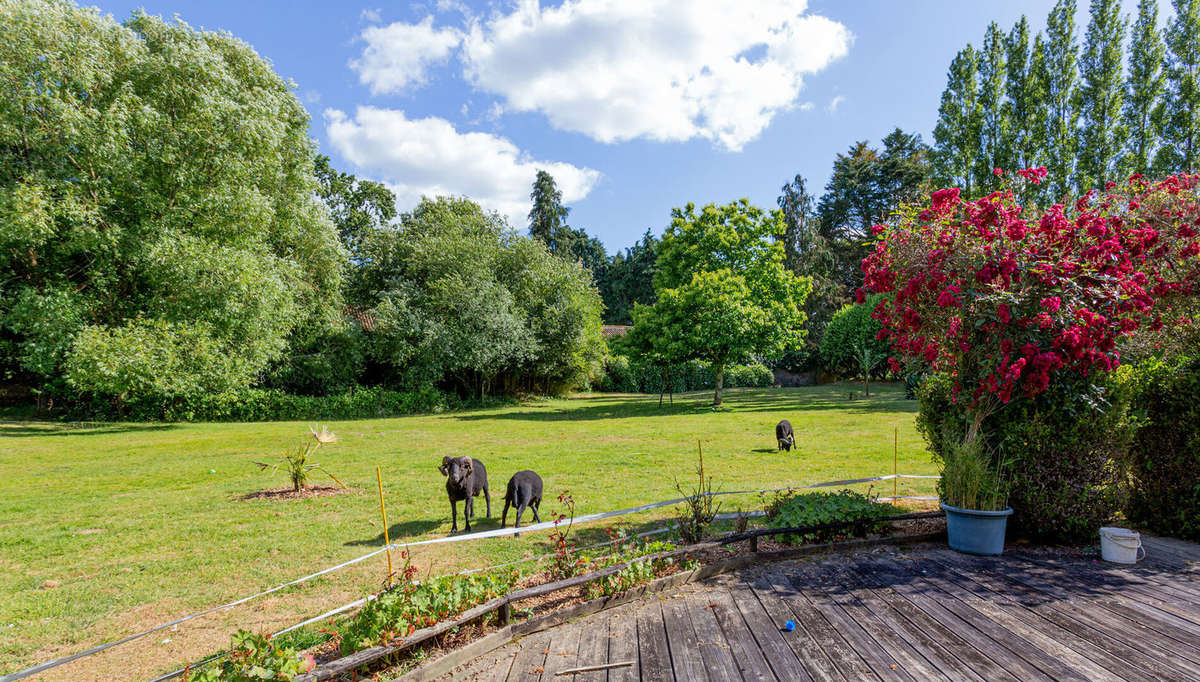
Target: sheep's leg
(468, 512)
(520, 508)
(504, 516)
(534, 507)
(488, 496)
(453, 516)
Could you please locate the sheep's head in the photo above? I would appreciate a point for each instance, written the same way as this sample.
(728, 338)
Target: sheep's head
(458, 469)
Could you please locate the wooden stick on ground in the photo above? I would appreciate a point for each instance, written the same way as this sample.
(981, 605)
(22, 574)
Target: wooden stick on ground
(591, 668)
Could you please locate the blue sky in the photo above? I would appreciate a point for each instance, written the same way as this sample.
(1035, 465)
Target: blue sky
(635, 110)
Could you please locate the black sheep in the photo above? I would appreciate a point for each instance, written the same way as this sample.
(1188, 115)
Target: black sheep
(784, 435)
(465, 479)
(524, 490)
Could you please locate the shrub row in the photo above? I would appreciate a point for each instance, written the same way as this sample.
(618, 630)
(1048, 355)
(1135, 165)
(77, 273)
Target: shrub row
(1087, 449)
(251, 405)
(622, 375)
(1164, 461)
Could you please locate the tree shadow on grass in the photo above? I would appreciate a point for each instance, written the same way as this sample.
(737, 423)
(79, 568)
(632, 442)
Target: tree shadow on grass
(740, 401)
(398, 532)
(34, 429)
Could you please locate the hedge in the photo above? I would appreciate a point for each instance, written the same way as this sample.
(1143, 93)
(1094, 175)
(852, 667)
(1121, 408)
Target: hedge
(252, 405)
(622, 375)
(1164, 460)
(1063, 451)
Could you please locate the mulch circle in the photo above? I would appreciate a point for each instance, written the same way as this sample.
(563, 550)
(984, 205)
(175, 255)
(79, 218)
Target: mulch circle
(289, 494)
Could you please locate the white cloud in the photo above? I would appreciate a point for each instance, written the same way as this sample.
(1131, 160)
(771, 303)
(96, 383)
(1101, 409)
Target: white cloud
(659, 69)
(398, 55)
(428, 157)
(371, 15)
(835, 103)
(806, 106)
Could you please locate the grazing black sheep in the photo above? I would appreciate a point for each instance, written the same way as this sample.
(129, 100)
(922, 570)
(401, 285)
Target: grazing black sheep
(524, 490)
(784, 435)
(465, 479)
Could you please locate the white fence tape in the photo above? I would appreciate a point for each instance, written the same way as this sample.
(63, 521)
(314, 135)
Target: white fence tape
(495, 533)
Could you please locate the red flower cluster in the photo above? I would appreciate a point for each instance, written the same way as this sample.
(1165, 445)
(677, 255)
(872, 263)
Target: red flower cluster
(1003, 297)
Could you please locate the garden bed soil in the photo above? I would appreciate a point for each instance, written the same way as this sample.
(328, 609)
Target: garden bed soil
(289, 494)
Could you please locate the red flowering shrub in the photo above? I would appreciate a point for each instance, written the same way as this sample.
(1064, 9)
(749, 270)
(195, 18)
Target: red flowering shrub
(1001, 298)
(1022, 315)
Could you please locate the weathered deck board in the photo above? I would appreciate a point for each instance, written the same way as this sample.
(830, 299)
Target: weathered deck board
(925, 614)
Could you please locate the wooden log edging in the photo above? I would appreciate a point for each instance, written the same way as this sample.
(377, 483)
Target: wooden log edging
(503, 604)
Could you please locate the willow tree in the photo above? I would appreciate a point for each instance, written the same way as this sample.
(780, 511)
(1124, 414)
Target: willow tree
(159, 226)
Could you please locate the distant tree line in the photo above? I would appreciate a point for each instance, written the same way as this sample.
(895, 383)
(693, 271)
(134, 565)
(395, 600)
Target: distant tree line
(1091, 113)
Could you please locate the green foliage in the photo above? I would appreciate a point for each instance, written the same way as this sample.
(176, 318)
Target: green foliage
(253, 405)
(1180, 150)
(865, 186)
(959, 130)
(459, 299)
(723, 293)
(1023, 108)
(1102, 97)
(851, 332)
(254, 657)
(993, 128)
(1165, 455)
(357, 207)
(156, 198)
(1063, 451)
(971, 479)
(548, 217)
(628, 279)
(625, 375)
(796, 510)
(1144, 88)
(809, 252)
(411, 605)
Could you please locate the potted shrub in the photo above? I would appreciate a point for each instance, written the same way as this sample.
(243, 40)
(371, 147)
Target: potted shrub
(974, 497)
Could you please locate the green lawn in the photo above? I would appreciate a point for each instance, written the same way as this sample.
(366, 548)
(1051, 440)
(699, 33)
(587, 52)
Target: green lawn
(141, 523)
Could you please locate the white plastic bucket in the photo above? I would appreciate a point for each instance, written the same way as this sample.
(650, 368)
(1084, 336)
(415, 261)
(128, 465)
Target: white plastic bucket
(1120, 545)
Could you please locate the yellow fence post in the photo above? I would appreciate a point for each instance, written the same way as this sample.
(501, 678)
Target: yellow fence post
(896, 462)
(383, 513)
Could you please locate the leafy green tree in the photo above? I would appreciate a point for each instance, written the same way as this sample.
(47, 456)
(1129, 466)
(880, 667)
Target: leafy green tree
(356, 206)
(462, 301)
(958, 134)
(849, 345)
(548, 216)
(628, 279)
(865, 187)
(1180, 149)
(1102, 94)
(993, 123)
(1144, 88)
(159, 226)
(1061, 77)
(723, 293)
(808, 253)
(1023, 108)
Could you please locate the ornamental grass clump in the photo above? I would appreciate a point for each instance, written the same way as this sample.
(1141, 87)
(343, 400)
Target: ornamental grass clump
(969, 478)
(299, 462)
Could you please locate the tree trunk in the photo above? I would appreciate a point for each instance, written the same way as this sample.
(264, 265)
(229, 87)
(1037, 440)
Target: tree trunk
(720, 383)
(867, 384)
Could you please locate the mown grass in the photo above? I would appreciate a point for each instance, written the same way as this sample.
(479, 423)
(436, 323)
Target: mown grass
(140, 523)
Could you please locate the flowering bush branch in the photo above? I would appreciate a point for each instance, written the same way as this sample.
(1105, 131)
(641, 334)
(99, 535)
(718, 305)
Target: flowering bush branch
(1001, 297)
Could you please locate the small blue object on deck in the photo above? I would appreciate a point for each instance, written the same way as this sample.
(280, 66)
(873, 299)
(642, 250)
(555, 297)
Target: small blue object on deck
(790, 625)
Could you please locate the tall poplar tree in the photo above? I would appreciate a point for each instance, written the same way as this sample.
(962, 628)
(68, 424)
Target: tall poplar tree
(1023, 108)
(993, 123)
(1142, 115)
(1101, 96)
(958, 133)
(1061, 75)
(1180, 150)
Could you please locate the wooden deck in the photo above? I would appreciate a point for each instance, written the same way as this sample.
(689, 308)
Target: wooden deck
(922, 614)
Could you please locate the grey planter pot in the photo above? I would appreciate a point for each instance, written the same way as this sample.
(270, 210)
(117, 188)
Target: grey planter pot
(976, 532)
